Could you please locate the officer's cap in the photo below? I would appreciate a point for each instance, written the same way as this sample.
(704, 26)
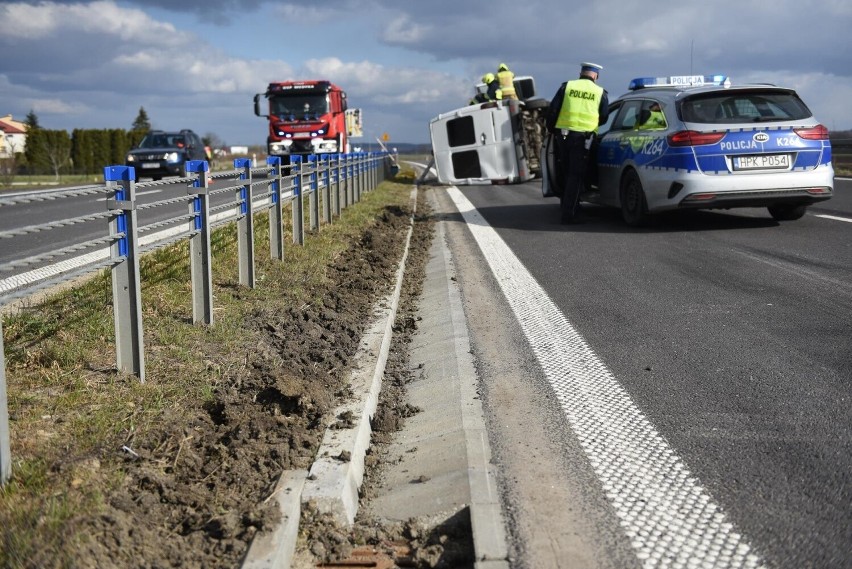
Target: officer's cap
(586, 66)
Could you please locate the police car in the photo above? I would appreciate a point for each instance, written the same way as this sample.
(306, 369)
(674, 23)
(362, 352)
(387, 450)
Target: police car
(699, 142)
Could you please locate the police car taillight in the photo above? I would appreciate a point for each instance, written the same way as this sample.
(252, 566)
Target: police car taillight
(819, 132)
(694, 138)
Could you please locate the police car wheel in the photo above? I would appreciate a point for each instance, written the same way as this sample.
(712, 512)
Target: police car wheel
(787, 212)
(634, 207)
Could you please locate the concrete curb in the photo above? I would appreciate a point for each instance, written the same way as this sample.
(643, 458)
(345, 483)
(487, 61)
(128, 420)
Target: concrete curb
(486, 513)
(276, 548)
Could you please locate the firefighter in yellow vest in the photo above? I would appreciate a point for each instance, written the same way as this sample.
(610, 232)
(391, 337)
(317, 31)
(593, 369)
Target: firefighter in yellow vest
(507, 82)
(492, 90)
(576, 111)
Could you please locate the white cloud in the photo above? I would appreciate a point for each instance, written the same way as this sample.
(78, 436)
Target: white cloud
(304, 15)
(40, 21)
(57, 106)
(401, 30)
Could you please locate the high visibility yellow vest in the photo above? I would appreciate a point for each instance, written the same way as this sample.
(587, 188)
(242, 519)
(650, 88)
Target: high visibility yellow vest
(507, 84)
(580, 106)
(655, 121)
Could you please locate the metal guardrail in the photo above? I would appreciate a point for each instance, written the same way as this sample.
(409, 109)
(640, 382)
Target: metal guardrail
(329, 182)
(841, 158)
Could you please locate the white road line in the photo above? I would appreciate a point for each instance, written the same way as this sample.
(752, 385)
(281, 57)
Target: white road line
(670, 519)
(834, 217)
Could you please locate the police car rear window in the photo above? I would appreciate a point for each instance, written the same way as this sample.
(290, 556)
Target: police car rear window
(756, 106)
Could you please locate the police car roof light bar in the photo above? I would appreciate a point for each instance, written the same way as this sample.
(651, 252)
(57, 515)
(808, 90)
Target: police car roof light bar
(679, 81)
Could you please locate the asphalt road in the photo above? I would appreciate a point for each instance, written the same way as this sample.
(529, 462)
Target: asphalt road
(728, 332)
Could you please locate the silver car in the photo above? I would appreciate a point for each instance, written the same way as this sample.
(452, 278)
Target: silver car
(698, 142)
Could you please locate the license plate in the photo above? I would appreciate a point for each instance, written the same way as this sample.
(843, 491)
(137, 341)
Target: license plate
(762, 162)
(150, 164)
(301, 135)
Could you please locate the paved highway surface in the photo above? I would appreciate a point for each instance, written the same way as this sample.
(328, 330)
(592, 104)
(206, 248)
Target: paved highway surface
(673, 394)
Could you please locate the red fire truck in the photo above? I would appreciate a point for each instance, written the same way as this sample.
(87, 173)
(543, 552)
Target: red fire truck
(307, 117)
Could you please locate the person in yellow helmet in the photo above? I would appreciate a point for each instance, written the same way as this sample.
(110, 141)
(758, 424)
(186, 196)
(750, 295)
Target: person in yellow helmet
(492, 90)
(507, 82)
(575, 112)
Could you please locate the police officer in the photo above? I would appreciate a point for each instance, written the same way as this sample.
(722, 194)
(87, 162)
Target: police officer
(652, 118)
(576, 111)
(507, 82)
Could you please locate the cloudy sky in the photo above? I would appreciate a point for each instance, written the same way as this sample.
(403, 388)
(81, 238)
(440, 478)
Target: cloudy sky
(197, 63)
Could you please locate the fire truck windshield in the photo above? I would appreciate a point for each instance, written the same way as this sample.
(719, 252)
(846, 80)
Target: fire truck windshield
(298, 105)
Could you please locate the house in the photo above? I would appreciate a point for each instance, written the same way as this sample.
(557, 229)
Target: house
(13, 136)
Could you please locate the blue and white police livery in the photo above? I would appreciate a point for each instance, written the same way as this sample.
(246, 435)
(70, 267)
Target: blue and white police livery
(700, 142)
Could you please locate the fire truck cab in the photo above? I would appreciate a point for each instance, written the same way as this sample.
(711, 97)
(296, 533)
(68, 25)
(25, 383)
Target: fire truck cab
(307, 117)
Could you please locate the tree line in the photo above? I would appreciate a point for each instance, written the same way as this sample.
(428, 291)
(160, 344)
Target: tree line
(83, 151)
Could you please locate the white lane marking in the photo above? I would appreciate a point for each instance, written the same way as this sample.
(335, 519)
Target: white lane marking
(670, 519)
(834, 217)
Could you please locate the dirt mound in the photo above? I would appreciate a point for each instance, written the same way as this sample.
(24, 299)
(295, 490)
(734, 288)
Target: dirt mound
(193, 490)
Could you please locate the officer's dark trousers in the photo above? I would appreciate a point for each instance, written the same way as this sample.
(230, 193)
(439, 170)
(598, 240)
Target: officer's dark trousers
(572, 151)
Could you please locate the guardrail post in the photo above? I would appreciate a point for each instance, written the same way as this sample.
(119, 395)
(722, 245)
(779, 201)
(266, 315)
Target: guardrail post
(245, 224)
(370, 172)
(200, 265)
(337, 184)
(326, 188)
(342, 170)
(359, 176)
(5, 446)
(356, 177)
(350, 179)
(298, 214)
(313, 197)
(126, 287)
(276, 216)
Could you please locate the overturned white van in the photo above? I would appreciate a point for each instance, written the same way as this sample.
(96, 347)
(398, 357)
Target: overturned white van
(497, 142)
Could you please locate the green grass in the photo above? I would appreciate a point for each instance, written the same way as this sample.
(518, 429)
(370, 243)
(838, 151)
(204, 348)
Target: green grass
(67, 403)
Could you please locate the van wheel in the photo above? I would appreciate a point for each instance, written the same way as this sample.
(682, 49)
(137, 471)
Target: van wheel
(634, 207)
(537, 103)
(787, 212)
